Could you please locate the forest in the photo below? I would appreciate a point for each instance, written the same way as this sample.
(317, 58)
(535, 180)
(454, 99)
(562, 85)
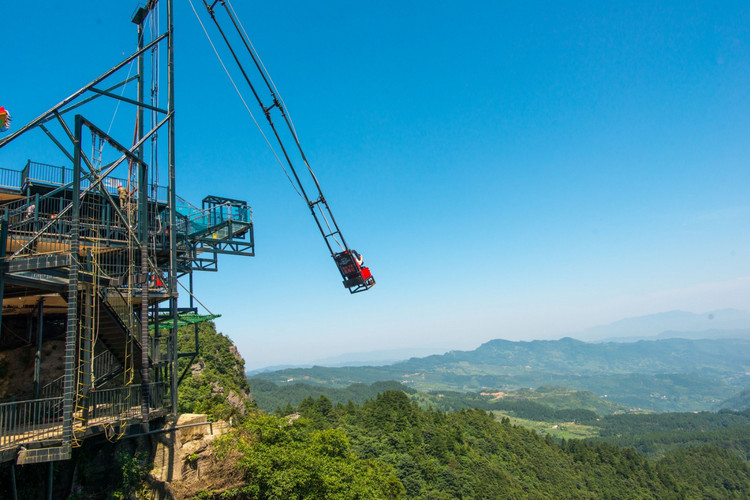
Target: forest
(385, 440)
(389, 447)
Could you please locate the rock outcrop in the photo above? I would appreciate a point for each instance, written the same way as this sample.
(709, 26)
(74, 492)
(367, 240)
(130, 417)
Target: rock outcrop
(185, 463)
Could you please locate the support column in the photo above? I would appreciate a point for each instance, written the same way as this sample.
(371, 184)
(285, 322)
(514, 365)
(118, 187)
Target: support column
(50, 483)
(38, 358)
(13, 487)
(143, 237)
(72, 326)
(172, 202)
(3, 245)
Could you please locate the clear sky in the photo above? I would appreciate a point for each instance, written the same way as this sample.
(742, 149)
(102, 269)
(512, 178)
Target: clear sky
(508, 170)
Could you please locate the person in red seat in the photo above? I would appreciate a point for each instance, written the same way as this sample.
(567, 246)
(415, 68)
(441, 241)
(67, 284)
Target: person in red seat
(4, 119)
(357, 257)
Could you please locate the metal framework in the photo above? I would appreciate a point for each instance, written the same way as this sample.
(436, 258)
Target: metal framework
(356, 277)
(90, 254)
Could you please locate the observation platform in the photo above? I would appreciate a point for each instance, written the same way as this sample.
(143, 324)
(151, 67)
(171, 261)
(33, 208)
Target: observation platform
(115, 268)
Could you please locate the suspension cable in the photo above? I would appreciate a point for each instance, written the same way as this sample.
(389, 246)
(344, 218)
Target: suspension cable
(237, 90)
(320, 199)
(266, 78)
(356, 279)
(265, 109)
(196, 298)
(260, 61)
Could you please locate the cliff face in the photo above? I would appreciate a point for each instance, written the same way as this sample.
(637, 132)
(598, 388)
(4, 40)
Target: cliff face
(215, 381)
(214, 389)
(213, 393)
(184, 462)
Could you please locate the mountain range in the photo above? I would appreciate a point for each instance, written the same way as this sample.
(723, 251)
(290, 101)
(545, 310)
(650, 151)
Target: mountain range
(725, 323)
(663, 375)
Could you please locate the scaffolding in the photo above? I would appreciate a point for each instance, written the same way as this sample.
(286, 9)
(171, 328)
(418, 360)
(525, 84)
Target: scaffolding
(91, 252)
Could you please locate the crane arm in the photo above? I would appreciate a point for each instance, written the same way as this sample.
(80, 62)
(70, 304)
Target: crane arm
(356, 277)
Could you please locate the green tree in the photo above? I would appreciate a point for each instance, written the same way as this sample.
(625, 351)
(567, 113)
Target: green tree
(283, 460)
(216, 373)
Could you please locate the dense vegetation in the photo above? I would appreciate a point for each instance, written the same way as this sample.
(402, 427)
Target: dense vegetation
(543, 404)
(739, 401)
(662, 375)
(269, 396)
(377, 441)
(656, 435)
(214, 380)
(389, 446)
(559, 409)
(286, 459)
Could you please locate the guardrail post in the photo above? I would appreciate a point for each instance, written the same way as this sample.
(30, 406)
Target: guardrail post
(3, 243)
(14, 490)
(25, 175)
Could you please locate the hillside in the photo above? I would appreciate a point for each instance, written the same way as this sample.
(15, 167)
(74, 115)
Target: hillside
(214, 381)
(269, 396)
(663, 375)
(390, 444)
(739, 401)
(656, 435)
(388, 447)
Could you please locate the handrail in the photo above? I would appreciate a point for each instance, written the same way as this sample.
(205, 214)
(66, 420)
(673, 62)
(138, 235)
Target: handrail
(118, 304)
(54, 175)
(36, 420)
(9, 178)
(29, 421)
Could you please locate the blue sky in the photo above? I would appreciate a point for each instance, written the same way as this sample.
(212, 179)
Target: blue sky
(507, 170)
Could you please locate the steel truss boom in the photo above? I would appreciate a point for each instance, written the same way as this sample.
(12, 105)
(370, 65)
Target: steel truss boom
(357, 280)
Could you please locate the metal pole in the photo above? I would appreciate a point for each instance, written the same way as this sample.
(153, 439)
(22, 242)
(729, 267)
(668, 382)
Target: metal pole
(72, 324)
(157, 354)
(3, 244)
(38, 359)
(143, 236)
(13, 488)
(172, 202)
(49, 482)
(195, 326)
(139, 151)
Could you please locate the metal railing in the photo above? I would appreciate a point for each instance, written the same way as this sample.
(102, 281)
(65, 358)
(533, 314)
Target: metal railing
(122, 403)
(41, 173)
(119, 305)
(38, 226)
(10, 179)
(216, 220)
(38, 420)
(30, 421)
(53, 389)
(105, 364)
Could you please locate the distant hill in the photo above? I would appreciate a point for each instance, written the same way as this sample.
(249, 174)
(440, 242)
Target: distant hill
(269, 396)
(740, 401)
(664, 375)
(725, 323)
(720, 324)
(369, 358)
(381, 357)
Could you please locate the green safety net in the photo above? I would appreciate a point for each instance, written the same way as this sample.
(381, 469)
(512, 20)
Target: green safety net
(184, 320)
